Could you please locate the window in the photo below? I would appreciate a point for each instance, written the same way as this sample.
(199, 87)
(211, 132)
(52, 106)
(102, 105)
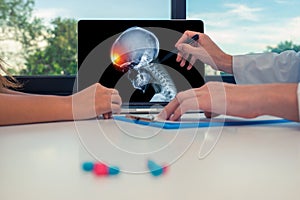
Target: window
(38, 37)
(241, 27)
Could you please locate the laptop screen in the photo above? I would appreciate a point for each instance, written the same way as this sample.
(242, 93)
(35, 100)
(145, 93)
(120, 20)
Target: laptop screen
(136, 57)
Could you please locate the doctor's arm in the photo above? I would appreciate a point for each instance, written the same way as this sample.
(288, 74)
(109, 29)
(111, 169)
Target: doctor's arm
(246, 101)
(247, 69)
(280, 99)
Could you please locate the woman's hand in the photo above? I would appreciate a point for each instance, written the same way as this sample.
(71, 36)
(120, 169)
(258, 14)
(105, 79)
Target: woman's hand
(94, 101)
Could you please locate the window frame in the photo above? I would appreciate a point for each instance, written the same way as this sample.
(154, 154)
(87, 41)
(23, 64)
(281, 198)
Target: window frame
(47, 84)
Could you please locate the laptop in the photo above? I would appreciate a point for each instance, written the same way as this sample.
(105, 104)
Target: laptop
(138, 58)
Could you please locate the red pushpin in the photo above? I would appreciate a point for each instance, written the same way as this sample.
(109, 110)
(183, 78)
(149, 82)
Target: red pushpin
(100, 169)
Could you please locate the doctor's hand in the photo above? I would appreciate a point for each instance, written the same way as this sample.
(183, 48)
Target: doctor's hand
(94, 101)
(214, 98)
(204, 50)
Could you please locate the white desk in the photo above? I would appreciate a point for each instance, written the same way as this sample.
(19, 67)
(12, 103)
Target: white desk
(43, 161)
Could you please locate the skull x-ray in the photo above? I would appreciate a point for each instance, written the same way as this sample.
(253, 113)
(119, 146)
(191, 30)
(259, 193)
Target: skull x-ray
(133, 52)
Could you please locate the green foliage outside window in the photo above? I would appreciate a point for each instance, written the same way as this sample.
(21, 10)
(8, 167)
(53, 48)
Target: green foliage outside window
(283, 46)
(59, 56)
(46, 50)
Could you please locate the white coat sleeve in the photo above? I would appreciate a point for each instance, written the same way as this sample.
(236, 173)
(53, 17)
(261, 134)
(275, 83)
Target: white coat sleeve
(267, 68)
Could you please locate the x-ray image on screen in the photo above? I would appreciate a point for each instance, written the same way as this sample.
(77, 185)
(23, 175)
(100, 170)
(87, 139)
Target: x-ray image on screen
(133, 53)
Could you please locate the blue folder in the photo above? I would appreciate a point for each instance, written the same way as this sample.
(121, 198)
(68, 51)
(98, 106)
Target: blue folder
(206, 123)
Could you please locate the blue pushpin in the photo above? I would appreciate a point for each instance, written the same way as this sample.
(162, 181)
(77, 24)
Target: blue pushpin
(155, 169)
(88, 166)
(113, 170)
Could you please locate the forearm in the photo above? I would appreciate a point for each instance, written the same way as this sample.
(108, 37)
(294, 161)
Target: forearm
(265, 99)
(280, 100)
(21, 109)
(224, 63)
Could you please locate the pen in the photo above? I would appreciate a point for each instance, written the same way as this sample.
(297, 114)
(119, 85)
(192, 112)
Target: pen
(194, 38)
(148, 118)
(191, 40)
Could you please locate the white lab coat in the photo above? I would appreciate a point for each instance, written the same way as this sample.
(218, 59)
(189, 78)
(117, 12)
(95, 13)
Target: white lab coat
(268, 68)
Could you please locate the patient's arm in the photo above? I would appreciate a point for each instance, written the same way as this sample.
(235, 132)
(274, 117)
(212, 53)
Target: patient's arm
(18, 108)
(21, 108)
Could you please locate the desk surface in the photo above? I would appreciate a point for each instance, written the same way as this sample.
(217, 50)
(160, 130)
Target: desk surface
(43, 161)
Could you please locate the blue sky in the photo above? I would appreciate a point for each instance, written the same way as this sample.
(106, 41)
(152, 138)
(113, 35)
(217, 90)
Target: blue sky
(236, 26)
(249, 26)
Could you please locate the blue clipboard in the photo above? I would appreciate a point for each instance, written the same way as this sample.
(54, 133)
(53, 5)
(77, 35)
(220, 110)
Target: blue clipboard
(199, 124)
